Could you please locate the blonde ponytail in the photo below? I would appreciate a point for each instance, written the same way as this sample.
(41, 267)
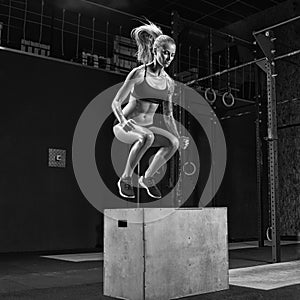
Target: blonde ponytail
(144, 37)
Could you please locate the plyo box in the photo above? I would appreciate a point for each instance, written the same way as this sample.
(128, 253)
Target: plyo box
(165, 253)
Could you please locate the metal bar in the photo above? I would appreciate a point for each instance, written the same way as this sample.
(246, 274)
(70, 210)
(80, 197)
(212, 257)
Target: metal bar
(244, 100)
(241, 66)
(144, 255)
(179, 162)
(260, 223)
(289, 126)
(287, 54)
(258, 182)
(175, 34)
(273, 162)
(225, 71)
(138, 196)
(106, 39)
(8, 23)
(173, 163)
(276, 25)
(236, 115)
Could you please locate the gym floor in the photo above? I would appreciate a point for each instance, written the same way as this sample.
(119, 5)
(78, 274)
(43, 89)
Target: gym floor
(32, 276)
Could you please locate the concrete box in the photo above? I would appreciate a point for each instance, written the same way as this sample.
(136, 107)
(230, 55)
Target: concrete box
(165, 253)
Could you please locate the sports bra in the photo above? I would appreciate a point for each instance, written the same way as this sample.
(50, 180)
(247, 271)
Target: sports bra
(144, 91)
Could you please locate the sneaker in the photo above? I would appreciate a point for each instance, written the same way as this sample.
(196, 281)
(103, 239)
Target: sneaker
(126, 188)
(150, 186)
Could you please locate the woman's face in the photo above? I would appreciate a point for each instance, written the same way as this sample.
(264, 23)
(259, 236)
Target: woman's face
(165, 53)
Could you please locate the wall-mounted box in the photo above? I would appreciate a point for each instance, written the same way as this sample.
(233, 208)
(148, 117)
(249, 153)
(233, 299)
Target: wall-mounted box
(56, 158)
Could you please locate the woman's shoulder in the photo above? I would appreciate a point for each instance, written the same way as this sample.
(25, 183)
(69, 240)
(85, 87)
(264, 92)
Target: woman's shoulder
(170, 82)
(136, 72)
(168, 76)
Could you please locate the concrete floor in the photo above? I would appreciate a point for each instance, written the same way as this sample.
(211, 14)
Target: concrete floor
(33, 277)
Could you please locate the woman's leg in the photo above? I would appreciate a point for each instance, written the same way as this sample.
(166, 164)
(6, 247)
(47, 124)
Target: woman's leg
(141, 138)
(168, 143)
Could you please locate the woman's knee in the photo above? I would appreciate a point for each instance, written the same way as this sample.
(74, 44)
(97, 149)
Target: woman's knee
(174, 143)
(147, 139)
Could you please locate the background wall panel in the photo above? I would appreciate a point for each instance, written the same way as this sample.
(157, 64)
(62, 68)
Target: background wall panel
(42, 208)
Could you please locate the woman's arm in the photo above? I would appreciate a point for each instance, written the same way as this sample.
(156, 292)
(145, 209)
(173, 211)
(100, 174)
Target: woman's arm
(123, 93)
(170, 120)
(168, 116)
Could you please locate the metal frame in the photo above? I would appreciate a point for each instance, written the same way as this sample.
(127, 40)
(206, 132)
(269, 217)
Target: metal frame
(265, 39)
(272, 140)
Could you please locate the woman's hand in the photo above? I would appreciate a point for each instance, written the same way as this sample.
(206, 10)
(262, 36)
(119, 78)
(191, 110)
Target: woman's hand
(184, 142)
(128, 125)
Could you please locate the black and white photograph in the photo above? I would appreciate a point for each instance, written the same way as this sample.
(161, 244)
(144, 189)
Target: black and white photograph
(150, 150)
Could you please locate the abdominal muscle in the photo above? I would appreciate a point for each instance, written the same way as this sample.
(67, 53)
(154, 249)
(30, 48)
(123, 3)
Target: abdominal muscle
(142, 112)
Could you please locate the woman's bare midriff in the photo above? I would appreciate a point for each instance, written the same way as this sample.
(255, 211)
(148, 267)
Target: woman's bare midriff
(142, 112)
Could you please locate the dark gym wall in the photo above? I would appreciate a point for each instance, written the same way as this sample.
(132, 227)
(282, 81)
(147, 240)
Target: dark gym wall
(288, 110)
(42, 208)
(238, 189)
(288, 93)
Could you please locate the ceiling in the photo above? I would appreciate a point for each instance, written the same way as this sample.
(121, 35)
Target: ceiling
(213, 13)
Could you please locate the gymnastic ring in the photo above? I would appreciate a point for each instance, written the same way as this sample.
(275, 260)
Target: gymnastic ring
(211, 101)
(189, 173)
(268, 234)
(230, 96)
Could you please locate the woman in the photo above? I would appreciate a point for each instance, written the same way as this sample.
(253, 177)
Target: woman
(147, 86)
